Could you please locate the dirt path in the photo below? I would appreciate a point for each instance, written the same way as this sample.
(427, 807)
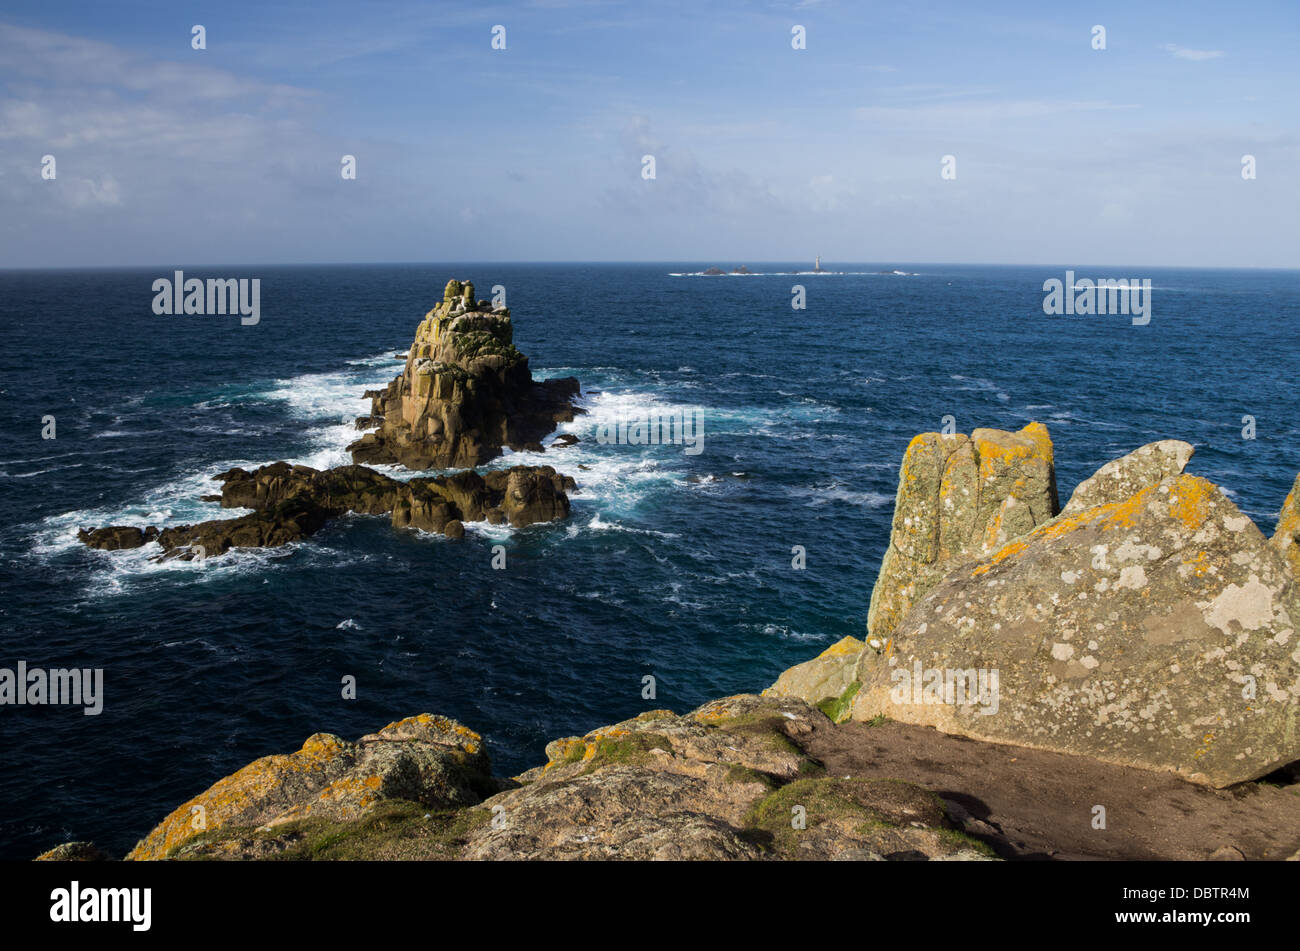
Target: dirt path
(1029, 804)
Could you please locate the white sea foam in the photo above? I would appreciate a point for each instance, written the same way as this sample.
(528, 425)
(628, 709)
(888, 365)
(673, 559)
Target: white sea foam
(836, 491)
(615, 481)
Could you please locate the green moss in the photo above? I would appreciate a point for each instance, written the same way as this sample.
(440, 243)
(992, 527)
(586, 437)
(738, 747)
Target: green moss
(964, 841)
(810, 768)
(839, 708)
(394, 829)
(626, 750)
(823, 801)
(481, 343)
(852, 807)
(744, 774)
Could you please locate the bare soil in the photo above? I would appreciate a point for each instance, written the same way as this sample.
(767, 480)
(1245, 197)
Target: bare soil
(1030, 804)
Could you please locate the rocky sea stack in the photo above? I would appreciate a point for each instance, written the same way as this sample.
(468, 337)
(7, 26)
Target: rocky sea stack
(465, 392)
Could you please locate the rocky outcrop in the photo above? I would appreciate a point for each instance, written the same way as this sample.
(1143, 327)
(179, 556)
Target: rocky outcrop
(1286, 537)
(465, 392)
(1156, 632)
(959, 497)
(291, 503)
(1123, 478)
(75, 852)
(426, 760)
(826, 681)
(730, 780)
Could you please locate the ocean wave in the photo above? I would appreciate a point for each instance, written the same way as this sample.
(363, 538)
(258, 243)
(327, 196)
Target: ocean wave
(786, 633)
(328, 401)
(597, 524)
(836, 491)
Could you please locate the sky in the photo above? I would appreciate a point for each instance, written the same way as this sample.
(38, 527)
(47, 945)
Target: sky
(1063, 154)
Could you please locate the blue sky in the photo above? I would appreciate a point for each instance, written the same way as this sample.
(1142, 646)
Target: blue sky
(1064, 154)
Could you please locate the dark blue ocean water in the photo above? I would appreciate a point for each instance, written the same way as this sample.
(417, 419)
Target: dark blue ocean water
(671, 565)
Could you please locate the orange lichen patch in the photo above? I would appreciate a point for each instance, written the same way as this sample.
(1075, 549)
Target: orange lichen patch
(991, 451)
(468, 739)
(350, 786)
(715, 711)
(1206, 742)
(1003, 450)
(1042, 439)
(1190, 501)
(566, 750)
(1188, 498)
(1002, 554)
(919, 441)
(655, 715)
(1198, 563)
(236, 793)
(845, 647)
(1056, 528)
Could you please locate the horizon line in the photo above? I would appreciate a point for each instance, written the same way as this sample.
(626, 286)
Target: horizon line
(643, 263)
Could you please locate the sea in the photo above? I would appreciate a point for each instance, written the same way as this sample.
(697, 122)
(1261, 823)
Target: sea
(675, 566)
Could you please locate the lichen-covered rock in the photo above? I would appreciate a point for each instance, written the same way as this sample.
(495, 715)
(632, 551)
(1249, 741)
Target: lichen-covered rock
(1125, 477)
(426, 759)
(959, 497)
(75, 852)
(827, 677)
(730, 780)
(1286, 538)
(1157, 632)
(465, 392)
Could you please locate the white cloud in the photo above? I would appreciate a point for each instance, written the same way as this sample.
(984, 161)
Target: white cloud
(982, 111)
(1183, 52)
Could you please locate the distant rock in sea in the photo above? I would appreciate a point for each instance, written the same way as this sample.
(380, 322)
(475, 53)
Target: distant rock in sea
(465, 392)
(291, 503)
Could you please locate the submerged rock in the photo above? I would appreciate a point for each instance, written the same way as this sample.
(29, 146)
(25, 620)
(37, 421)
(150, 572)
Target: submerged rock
(958, 498)
(465, 392)
(1156, 632)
